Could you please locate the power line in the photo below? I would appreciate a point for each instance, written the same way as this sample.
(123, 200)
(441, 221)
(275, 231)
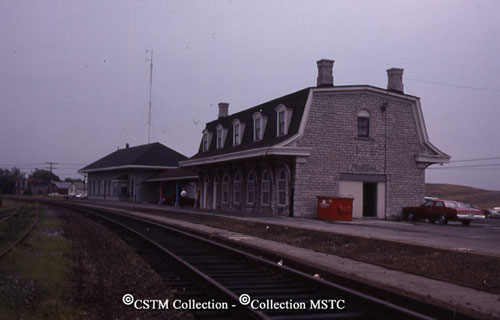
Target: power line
(50, 165)
(469, 166)
(453, 85)
(478, 159)
(22, 164)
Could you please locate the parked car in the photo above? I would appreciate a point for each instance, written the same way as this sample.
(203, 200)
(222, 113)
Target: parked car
(495, 213)
(443, 211)
(82, 196)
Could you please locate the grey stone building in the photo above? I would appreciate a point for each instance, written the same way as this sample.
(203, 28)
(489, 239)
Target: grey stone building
(122, 175)
(359, 141)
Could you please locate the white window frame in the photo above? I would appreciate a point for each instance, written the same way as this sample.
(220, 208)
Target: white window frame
(363, 114)
(287, 117)
(237, 188)
(257, 134)
(279, 190)
(220, 137)
(236, 132)
(205, 145)
(251, 187)
(265, 190)
(225, 189)
(281, 125)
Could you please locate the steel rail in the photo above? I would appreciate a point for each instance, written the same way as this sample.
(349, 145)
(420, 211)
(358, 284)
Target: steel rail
(24, 235)
(369, 305)
(15, 211)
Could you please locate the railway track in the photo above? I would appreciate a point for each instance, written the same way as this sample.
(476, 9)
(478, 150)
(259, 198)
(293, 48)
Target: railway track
(25, 233)
(9, 213)
(202, 270)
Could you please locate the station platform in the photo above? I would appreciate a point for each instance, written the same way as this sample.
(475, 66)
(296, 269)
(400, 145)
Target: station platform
(472, 301)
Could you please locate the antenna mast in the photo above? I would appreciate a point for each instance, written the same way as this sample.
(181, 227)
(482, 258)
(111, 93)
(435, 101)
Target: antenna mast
(150, 91)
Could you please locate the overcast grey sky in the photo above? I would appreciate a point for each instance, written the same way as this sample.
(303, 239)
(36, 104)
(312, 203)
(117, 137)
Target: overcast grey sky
(74, 80)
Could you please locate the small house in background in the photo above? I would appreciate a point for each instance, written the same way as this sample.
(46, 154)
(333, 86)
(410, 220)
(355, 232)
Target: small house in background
(76, 188)
(122, 175)
(60, 187)
(32, 186)
(358, 141)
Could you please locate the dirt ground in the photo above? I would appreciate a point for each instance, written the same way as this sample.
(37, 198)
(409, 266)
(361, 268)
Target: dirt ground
(466, 269)
(106, 268)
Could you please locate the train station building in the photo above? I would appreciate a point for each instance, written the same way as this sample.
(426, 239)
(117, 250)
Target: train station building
(357, 141)
(124, 174)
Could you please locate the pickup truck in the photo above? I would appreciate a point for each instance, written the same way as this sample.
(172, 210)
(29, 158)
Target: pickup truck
(443, 211)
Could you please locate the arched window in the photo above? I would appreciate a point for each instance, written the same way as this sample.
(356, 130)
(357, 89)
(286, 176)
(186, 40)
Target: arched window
(265, 188)
(250, 188)
(363, 123)
(237, 188)
(204, 198)
(225, 188)
(282, 188)
(214, 193)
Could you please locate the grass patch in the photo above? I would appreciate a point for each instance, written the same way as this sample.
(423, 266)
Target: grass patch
(13, 228)
(35, 277)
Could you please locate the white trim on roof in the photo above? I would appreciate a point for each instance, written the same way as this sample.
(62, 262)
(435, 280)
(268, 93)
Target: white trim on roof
(172, 179)
(437, 157)
(281, 151)
(126, 167)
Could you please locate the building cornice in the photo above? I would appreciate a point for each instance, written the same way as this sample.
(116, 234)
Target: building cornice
(125, 167)
(252, 153)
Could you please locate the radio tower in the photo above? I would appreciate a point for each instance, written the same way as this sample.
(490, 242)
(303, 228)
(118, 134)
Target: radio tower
(150, 90)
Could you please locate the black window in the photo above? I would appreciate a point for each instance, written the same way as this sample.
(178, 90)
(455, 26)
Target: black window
(363, 127)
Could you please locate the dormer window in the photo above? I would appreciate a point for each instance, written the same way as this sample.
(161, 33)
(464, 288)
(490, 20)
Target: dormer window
(205, 141)
(236, 132)
(236, 129)
(283, 117)
(281, 123)
(258, 129)
(221, 136)
(259, 126)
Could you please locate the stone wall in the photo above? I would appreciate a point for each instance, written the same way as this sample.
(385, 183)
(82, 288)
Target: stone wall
(390, 149)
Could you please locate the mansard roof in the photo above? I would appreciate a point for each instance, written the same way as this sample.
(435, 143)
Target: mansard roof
(295, 101)
(271, 144)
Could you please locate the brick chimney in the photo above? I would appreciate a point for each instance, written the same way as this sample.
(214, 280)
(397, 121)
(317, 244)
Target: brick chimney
(223, 109)
(395, 80)
(325, 73)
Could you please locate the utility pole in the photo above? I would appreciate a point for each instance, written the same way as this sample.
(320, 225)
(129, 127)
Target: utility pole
(150, 90)
(51, 164)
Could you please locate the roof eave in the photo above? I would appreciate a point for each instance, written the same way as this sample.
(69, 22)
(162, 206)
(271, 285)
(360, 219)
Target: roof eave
(126, 167)
(252, 153)
(433, 159)
(172, 179)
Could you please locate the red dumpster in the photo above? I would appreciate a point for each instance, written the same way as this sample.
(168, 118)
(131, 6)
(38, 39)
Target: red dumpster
(334, 208)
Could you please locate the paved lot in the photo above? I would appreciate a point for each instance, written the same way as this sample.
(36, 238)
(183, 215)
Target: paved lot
(481, 236)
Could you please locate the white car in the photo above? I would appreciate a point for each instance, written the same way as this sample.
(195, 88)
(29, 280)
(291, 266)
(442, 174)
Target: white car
(81, 196)
(495, 213)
